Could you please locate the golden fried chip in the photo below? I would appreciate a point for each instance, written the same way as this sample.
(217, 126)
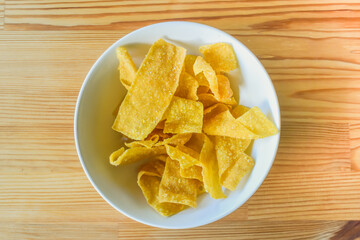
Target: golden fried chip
(149, 179)
(131, 155)
(187, 87)
(176, 189)
(160, 157)
(201, 66)
(200, 77)
(233, 162)
(127, 67)
(225, 91)
(158, 132)
(215, 109)
(185, 158)
(189, 63)
(161, 124)
(144, 143)
(207, 99)
(183, 116)
(193, 172)
(153, 168)
(178, 139)
(202, 89)
(224, 124)
(221, 56)
(239, 111)
(210, 170)
(234, 174)
(196, 142)
(151, 92)
(258, 123)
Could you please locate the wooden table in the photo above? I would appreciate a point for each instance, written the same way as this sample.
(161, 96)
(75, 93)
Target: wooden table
(311, 49)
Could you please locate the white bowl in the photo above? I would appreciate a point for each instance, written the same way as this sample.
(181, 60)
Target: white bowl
(101, 92)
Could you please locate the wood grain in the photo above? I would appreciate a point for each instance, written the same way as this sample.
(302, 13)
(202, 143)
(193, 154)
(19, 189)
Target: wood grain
(310, 50)
(2, 14)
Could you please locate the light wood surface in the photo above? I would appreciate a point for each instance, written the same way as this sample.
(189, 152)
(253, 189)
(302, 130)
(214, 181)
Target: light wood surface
(311, 50)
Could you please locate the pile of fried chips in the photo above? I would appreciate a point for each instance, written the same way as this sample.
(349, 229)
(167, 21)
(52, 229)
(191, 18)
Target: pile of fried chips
(182, 116)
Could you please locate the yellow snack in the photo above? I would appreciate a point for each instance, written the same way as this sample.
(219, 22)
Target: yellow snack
(189, 63)
(193, 172)
(174, 102)
(152, 168)
(239, 111)
(196, 142)
(210, 170)
(182, 156)
(200, 77)
(225, 91)
(183, 116)
(144, 143)
(215, 109)
(224, 124)
(127, 67)
(221, 56)
(131, 155)
(258, 123)
(151, 92)
(202, 89)
(149, 179)
(233, 162)
(160, 157)
(178, 139)
(207, 99)
(158, 132)
(160, 125)
(201, 66)
(187, 87)
(176, 189)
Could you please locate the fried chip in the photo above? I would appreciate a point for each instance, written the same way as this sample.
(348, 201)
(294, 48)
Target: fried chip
(149, 179)
(178, 139)
(185, 157)
(184, 116)
(193, 172)
(144, 143)
(258, 123)
(131, 155)
(176, 189)
(174, 102)
(151, 92)
(207, 99)
(158, 132)
(233, 162)
(189, 63)
(152, 168)
(160, 157)
(200, 77)
(239, 111)
(224, 124)
(187, 87)
(202, 89)
(210, 170)
(225, 91)
(215, 109)
(127, 67)
(196, 142)
(161, 124)
(221, 56)
(201, 66)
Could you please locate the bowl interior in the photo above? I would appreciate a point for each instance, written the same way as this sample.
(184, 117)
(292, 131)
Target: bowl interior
(102, 92)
